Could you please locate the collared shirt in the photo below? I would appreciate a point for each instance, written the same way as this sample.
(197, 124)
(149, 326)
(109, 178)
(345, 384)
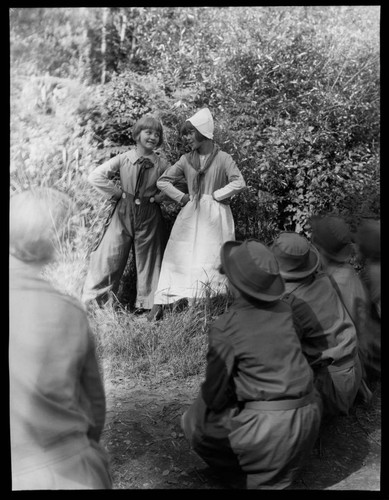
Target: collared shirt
(222, 179)
(127, 166)
(56, 392)
(254, 354)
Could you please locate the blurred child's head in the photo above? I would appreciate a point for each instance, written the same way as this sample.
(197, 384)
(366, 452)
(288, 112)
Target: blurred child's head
(38, 218)
(148, 122)
(331, 235)
(368, 239)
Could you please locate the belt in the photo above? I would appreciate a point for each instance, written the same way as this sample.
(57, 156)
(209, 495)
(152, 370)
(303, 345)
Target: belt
(285, 404)
(138, 200)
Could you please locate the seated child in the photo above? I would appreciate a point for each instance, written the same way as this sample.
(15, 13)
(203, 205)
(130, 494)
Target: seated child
(326, 331)
(257, 411)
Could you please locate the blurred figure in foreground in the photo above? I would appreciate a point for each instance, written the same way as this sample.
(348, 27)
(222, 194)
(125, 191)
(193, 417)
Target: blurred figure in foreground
(57, 400)
(368, 244)
(258, 412)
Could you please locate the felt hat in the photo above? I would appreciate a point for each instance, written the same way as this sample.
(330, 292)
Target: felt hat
(252, 269)
(332, 236)
(296, 257)
(368, 238)
(203, 122)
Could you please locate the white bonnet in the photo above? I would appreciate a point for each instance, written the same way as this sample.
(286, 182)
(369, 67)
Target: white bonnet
(203, 122)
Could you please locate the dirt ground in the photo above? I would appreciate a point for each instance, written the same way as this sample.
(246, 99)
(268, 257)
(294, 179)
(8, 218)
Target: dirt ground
(148, 449)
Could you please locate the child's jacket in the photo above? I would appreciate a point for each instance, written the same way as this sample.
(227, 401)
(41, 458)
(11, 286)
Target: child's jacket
(56, 392)
(328, 338)
(258, 410)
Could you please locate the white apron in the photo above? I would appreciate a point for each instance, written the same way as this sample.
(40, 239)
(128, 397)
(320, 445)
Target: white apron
(192, 255)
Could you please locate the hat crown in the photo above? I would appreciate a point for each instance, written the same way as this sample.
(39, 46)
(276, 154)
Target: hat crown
(256, 268)
(333, 235)
(295, 255)
(292, 245)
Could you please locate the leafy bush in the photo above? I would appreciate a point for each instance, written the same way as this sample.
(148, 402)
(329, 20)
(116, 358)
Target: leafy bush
(294, 92)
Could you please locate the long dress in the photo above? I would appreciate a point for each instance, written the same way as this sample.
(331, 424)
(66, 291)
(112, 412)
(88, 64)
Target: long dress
(190, 266)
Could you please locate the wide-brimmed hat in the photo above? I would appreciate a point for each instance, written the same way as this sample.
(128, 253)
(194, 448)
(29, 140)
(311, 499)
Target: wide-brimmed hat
(296, 257)
(332, 236)
(203, 122)
(252, 269)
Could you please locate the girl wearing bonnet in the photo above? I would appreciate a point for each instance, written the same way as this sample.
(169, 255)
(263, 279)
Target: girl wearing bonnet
(190, 267)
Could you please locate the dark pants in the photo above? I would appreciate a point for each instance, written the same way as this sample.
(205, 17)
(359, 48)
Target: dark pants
(269, 446)
(140, 228)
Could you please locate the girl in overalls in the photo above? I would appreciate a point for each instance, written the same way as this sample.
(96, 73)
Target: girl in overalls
(191, 261)
(137, 221)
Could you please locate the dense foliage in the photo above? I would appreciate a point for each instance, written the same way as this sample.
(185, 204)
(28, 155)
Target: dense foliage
(295, 93)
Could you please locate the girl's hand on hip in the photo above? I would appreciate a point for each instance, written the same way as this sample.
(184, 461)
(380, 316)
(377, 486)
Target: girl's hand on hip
(184, 200)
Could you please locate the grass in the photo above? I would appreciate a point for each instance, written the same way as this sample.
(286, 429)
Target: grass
(130, 346)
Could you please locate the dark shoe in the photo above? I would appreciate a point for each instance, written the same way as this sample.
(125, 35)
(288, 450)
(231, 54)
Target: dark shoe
(180, 305)
(140, 311)
(156, 313)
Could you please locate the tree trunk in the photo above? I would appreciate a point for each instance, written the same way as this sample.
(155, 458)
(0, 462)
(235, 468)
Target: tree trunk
(104, 45)
(84, 62)
(123, 28)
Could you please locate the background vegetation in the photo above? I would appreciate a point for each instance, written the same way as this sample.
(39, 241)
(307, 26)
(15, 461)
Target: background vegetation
(295, 92)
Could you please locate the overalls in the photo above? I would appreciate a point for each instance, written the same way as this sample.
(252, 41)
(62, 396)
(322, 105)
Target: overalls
(137, 223)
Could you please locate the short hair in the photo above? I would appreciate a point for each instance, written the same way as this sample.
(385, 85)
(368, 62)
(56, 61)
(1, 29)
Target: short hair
(187, 127)
(37, 220)
(148, 121)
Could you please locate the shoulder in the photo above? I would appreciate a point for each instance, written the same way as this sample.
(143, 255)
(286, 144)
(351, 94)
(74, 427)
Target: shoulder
(321, 277)
(70, 305)
(130, 155)
(181, 162)
(224, 324)
(222, 155)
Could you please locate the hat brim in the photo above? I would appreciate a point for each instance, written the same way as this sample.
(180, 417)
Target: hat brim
(312, 265)
(275, 292)
(341, 257)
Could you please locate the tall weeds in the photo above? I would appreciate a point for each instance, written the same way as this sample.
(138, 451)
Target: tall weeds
(175, 346)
